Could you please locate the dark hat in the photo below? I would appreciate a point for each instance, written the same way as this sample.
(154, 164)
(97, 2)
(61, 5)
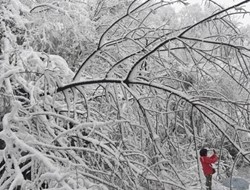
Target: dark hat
(203, 152)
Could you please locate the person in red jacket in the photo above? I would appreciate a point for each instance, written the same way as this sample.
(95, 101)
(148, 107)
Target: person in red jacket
(206, 163)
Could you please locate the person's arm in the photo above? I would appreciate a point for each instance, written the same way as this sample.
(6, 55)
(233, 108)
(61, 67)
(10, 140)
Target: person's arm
(211, 159)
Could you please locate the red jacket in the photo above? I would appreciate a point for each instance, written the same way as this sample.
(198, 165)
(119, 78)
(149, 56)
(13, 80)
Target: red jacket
(206, 163)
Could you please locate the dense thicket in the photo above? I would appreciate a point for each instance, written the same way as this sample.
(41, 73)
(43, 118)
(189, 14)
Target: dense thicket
(109, 94)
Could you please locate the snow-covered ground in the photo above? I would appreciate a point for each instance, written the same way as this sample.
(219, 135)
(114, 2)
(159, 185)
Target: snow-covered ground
(218, 186)
(237, 183)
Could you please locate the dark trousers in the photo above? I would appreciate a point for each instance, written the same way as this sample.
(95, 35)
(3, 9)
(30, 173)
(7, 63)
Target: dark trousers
(209, 182)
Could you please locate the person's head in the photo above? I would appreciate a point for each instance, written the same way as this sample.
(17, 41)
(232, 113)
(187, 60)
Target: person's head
(203, 152)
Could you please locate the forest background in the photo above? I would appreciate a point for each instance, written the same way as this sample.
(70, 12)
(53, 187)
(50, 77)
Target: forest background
(121, 94)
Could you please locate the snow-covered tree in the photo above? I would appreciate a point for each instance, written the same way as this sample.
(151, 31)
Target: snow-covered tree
(120, 94)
